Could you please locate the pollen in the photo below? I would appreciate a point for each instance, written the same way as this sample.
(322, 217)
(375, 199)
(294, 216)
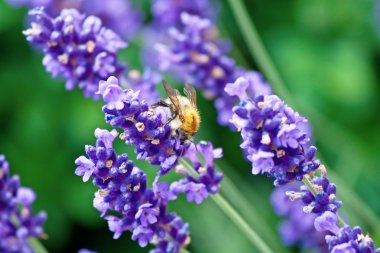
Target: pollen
(134, 74)
(202, 170)
(63, 58)
(33, 31)
(199, 58)
(217, 72)
(109, 163)
(308, 209)
(150, 112)
(364, 238)
(280, 153)
(136, 187)
(90, 45)
(155, 141)
(129, 117)
(140, 126)
(261, 105)
(103, 193)
(265, 139)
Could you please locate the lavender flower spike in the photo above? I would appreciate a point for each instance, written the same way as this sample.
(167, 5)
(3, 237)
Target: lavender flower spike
(127, 203)
(17, 222)
(349, 240)
(275, 138)
(76, 47)
(167, 13)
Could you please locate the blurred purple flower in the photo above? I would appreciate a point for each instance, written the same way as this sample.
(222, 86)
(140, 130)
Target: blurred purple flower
(195, 56)
(86, 251)
(145, 83)
(17, 222)
(328, 221)
(297, 228)
(76, 47)
(167, 13)
(119, 15)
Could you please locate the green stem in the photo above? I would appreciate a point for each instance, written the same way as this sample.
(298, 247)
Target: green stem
(37, 246)
(345, 141)
(223, 204)
(184, 250)
(235, 194)
(240, 222)
(310, 186)
(256, 48)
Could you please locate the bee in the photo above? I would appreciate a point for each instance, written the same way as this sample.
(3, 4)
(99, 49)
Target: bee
(184, 113)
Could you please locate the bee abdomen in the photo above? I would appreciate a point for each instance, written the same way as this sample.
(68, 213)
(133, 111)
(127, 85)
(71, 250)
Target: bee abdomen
(191, 121)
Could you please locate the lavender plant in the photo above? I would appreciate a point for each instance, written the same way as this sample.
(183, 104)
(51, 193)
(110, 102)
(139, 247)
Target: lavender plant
(276, 143)
(19, 225)
(276, 139)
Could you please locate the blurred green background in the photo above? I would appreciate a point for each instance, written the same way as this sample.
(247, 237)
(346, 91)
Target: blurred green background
(327, 52)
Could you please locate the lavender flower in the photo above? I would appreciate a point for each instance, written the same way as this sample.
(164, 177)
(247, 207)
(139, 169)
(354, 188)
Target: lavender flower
(197, 188)
(167, 13)
(126, 202)
(324, 200)
(143, 126)
(344, 239)
(17, 222)
(118, 15)
(297, 228)
(274, 139)
(76, 47)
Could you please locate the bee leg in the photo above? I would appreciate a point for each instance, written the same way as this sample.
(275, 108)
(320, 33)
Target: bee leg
(195, 145)
(160, 103)
(174, 115)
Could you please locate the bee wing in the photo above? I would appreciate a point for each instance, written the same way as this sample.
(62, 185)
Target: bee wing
(173, 95)
(191, 94)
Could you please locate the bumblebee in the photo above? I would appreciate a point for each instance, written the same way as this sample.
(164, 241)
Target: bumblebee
(184, 113)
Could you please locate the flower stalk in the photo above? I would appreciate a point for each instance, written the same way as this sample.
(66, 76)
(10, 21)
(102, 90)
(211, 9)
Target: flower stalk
(226, 207)
(37, 246)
